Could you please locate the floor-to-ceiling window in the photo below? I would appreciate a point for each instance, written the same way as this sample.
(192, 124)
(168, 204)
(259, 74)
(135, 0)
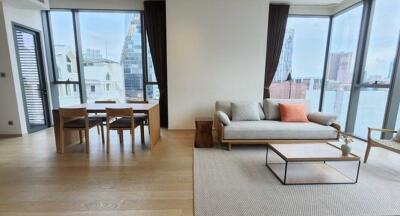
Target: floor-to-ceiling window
(341, 60)
(376, 77)
(102, 51)
(301, 65)
(66, 76)
(112, 55)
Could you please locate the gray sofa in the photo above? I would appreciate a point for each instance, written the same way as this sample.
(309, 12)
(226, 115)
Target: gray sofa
(270, 128)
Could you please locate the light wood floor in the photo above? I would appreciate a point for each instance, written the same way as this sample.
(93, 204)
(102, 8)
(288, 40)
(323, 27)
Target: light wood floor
(34, 180)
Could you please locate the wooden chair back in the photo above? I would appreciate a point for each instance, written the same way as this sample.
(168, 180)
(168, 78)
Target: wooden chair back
(72, 112)
(105, 101)
(120, 112)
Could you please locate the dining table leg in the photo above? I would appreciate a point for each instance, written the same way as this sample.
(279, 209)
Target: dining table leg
(70, 136)
(154, 125)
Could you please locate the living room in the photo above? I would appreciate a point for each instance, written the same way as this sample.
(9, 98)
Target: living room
(199, 107)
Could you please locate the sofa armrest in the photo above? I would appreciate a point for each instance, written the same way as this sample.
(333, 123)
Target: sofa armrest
(337, 127)
(220, 131)
(321, 118)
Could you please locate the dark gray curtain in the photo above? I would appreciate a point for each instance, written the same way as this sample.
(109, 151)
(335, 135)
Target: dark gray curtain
(155, 25)
(278, 15)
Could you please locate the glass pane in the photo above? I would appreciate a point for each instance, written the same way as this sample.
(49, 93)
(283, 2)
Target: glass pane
(68, 94)
(151, 76)
(370, 114)
(153, 93)
(62, 30)
(303, 57)
(383, 40)
(341, 61)
(112, 51)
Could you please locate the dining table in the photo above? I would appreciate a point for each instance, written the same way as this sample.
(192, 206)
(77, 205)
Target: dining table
(151, 109)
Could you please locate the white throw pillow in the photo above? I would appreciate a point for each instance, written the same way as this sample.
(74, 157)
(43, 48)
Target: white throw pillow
(223, 117)
(322, 118)
(397, 137)
(245, 111)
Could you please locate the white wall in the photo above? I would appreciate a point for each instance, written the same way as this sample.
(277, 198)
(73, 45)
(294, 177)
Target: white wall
(10, 89)
(98, 4)
(216, 51)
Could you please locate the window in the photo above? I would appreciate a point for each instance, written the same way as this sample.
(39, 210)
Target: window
(301, 65)
(112, 52)
(68, 94)
(378, 68)
(66, 77)
(152, 91)
(341, 62)
(106, 38)
(62, 30)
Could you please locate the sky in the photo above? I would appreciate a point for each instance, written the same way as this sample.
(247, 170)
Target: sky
(105, 31)
(311, 36)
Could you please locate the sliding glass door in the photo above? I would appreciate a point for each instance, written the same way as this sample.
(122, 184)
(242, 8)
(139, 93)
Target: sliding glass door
(341, 61)
(376, 77)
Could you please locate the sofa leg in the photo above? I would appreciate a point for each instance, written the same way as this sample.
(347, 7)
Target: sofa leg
(229, 146)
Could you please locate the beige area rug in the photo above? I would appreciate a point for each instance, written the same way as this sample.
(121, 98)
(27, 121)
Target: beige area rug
(237, 182)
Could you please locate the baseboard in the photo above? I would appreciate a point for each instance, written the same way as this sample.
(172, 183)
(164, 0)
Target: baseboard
(3, 136)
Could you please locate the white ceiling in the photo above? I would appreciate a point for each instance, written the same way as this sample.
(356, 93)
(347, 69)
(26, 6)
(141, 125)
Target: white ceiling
(308, 2)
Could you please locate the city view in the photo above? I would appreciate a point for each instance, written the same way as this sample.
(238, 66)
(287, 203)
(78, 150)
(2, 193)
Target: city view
(303, 54)
(112, 57)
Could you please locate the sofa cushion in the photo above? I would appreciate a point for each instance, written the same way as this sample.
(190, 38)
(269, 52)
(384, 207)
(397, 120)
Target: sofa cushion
(271, 107)
(267, 129)
(223, 117)
(225, 106)
(293, 112)
(322, 118)
(245, 111)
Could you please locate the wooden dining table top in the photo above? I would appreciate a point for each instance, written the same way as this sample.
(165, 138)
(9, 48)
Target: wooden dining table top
(101, 107)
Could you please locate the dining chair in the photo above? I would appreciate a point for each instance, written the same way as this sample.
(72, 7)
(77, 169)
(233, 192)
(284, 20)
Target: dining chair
(142, 116)
(103, 117)
(120, 120)
(76, 119)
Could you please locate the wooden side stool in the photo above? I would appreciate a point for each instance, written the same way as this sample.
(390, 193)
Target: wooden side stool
(203, 138)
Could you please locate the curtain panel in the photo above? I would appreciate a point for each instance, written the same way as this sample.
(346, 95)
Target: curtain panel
(155, 25)
(278, 15)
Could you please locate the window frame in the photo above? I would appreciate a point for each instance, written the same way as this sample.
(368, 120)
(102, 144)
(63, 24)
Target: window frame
(79, 52)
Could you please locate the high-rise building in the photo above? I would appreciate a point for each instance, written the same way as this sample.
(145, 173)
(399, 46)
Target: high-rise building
(131, 59)
(286, 58)
(339, 67)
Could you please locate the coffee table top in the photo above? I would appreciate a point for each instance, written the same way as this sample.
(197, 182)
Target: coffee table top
(304, 152)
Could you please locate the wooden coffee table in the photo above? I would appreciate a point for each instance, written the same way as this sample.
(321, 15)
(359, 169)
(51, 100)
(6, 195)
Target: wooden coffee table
(311, 163)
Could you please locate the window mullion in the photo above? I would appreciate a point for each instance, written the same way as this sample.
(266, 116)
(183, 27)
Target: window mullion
(79, 56)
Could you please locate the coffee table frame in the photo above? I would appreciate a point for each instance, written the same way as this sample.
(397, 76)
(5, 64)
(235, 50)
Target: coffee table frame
(294, 160)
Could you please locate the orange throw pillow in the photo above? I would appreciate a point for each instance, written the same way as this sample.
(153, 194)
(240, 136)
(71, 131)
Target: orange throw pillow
(293, 112)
